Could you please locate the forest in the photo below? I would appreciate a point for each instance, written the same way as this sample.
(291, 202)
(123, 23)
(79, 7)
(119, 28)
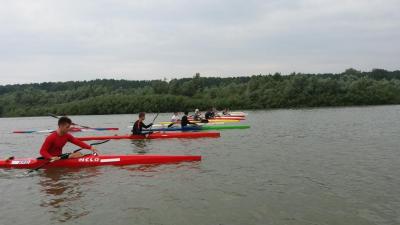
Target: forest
(110, 96)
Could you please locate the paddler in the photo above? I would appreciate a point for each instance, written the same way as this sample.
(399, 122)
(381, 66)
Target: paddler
(225, 112)
(197, 115)
(185, 121)
(209, 114)
(54, 143)
(175, 118)
(139, 125)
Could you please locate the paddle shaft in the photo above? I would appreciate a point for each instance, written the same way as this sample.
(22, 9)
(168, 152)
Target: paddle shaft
(154, 121)
(57, 117)
(155, 117)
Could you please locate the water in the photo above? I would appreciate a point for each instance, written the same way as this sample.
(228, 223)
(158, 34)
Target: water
(307, 166)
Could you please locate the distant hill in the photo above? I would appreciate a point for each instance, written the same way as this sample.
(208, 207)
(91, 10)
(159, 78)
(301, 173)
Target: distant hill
(110, 96)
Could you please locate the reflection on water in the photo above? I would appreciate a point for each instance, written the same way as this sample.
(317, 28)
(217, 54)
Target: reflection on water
(151, 170)
(140, 146)
(62, 189)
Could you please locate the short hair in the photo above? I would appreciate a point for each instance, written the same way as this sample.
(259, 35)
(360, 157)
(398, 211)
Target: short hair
(64, 120)
(141, 114)
(186, 112)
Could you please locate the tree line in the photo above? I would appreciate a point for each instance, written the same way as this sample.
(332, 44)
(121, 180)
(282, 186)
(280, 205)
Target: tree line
(109, 96)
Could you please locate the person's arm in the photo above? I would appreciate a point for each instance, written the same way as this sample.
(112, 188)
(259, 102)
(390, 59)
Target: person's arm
(79, 143)
(195, 124)
(44, 150)
(134, 128)
(147, 126)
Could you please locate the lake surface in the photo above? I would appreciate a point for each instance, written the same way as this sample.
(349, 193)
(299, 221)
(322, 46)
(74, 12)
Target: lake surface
(305, 166)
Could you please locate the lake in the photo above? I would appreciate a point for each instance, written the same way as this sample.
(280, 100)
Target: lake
(303, 166)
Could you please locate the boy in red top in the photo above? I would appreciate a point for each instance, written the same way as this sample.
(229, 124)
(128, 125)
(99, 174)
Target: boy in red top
(52, 146)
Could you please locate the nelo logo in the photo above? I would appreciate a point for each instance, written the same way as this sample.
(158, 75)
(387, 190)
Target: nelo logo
(91, 159)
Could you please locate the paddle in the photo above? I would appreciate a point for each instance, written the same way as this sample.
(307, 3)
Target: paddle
(153, 122)
(171, 124)
(155, 117)
(64, 155)
(57, 117)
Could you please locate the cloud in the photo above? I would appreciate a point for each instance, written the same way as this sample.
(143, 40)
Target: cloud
(47, 40)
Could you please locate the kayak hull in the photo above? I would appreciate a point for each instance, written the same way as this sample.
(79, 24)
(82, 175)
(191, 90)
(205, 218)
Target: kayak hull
(199, 123)
(72, 130)
(205, 127)
(230, 117)
(238, 113)
(102, 160)
(209, 121)
(227, 127)
(224, 118)
(156, 135)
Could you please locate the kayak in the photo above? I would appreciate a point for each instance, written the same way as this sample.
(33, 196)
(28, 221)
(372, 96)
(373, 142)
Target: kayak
(32, 131)
(238, 114)
(230, 117)
(223, 118)
(219, 120)
(209, 121)
(224, 127)
(205, 127)
(72, 130)
(199, 123)
(156, 135)
(234, 115)
(230, 114)
(101, 160)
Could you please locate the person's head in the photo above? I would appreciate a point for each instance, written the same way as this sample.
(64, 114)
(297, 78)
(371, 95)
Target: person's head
(142, 116)
(64, 124)
(175, 113)
(186, 113)
(196, 111)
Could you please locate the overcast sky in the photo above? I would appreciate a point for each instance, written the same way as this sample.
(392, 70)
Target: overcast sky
(48, 40)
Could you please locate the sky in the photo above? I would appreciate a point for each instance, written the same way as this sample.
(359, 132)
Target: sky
(47, 40)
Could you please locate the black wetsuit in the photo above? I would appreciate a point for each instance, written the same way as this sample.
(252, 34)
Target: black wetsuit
(185, 121)
(199, 119)
(209, 115)
(138, 128)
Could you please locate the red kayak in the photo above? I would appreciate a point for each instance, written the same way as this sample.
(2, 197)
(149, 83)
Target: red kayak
(101, 160)
(155, 135)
